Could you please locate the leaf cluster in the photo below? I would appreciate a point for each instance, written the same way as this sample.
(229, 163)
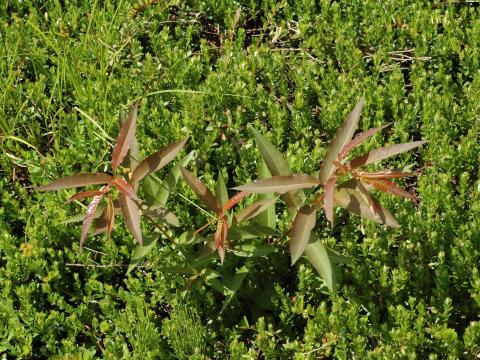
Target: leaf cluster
(328, 190)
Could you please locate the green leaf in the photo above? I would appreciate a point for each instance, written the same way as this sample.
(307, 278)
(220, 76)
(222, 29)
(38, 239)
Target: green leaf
(317, 255)
(252, 250)
(300, 232)
(233, 283)
(170, 181)
(342, 137)
(157, 160)
(279, 184)
(201, 190)
(140, 252)
(383, 153)
(268, 217)
(164, 215)
(221, 190)
(77, 180)
(151, 187)
(249, 232)
(277, 166)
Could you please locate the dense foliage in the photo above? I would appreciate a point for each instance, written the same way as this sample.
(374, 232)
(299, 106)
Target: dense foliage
(209, 70)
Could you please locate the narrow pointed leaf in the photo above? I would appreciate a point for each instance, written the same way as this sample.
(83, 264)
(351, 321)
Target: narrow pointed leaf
(157, 160)
(131, 216)
(89, 216)
(383, 153)
(318, 256)
(390, 187)
(390, 174)
(221, 238)
(328, 199)
(234, 200)
(300, 232)
(359, 139)
(279, 184)
(170, 181)
(352, 200)
(106, 221)
(232, 284)
(84, 194)
(249, 232)
(140, 252)
(151, 186)
(342, 137)
(272, 157)
(201, 190)
(277, 166)
(254, 209)
(268, 217)
(221, 191)
(125, 188)
(164, 215)
(132, 158)
(125, 138)
(77, 180)
(374, 206)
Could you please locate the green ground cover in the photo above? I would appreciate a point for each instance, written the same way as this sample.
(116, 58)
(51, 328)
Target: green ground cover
(69, 70)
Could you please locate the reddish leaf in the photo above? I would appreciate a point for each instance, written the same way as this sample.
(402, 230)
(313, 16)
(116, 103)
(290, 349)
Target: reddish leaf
(106, 221)
(372, 203)
(201, 190)
(328, 199)
(131, 216)
(254, 209)
(234, 200)
(125, 188)
(352, 200)
(300, 232)
(383, 153)
(390, 187)
(390, 174)
(342, 137)
(221, 237)
(279, 184)
(358, 140)
(110, 214)
(125, 137)
(84, 194)
(89, 216)
(157, 160)
(73, 181)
